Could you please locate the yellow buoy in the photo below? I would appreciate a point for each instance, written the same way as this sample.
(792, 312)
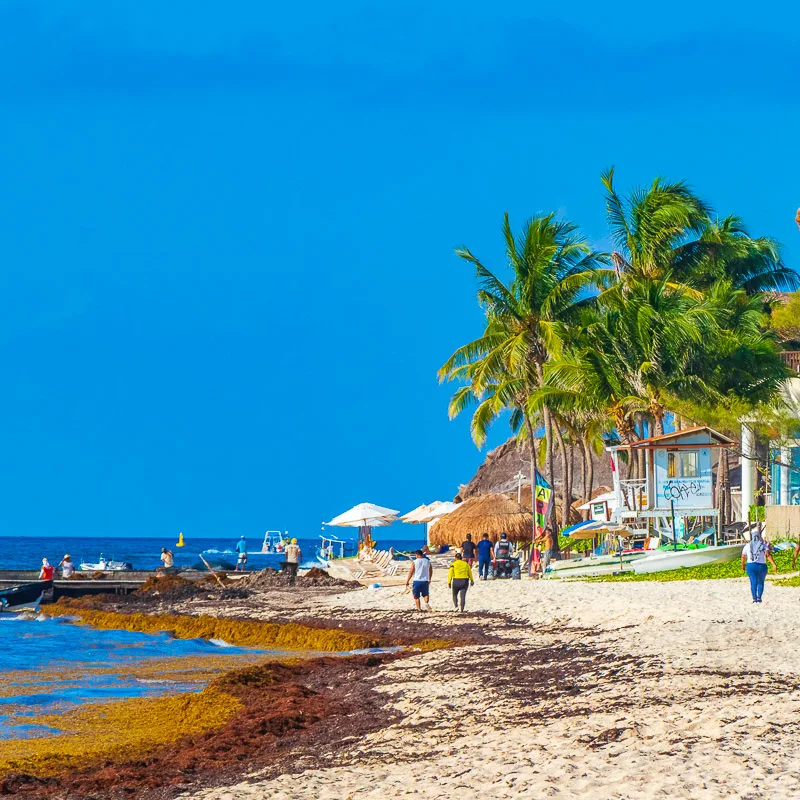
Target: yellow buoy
(180, 540)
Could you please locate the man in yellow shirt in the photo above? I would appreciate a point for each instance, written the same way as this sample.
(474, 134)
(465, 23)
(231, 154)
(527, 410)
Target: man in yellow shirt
(459, 577)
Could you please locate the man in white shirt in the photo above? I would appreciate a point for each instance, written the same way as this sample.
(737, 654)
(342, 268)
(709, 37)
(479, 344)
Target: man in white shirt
(421, 571)
(294, 556)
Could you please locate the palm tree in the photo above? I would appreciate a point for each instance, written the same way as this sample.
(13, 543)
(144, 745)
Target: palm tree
(632, 357)
(648, 226)
(725, 251)
(551, 265)
(667, 229)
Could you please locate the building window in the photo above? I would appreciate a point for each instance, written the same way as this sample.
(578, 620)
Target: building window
(682, 464)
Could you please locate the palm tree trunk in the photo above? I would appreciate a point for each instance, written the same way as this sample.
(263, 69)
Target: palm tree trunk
(641, 468)
(566, 488)
(726, 505)
(550, 471)
(589, 470)
(584, 475)
(534, 467)
(721, 488)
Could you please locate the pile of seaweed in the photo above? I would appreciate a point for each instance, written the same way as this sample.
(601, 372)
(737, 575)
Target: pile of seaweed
(264, 716)
(164, 591)
(271, 578)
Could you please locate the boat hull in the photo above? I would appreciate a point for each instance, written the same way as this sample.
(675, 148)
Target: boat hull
(24, 594)
(591, 567)
(665, 561)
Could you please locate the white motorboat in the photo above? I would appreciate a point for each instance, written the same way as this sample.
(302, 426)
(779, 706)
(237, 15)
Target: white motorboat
(663, 560)
(332, 548)
(594, 566)
(274, 544)
(271, 548)
(106, 565)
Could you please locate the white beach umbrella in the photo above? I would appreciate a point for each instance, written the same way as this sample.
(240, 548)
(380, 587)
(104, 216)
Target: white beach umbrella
(419, 513)
(364, 514)
(439, 511)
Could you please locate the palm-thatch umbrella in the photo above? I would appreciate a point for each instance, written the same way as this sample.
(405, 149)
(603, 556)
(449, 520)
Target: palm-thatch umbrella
(490, 513)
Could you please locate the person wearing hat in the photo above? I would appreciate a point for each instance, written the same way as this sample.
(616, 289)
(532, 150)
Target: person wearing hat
(294, 555)
(67, 567)
(241, 549)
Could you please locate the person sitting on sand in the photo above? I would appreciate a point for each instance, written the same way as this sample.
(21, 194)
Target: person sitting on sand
(294, 556)
(421, 571)
(459, 578)
(67, 567)
(755, 555)
(46, 572)
(468, 550)
(167, 558)
(484, 550)
(241, 549)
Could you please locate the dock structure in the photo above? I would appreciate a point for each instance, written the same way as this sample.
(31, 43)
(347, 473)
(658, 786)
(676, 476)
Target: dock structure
(109, 582)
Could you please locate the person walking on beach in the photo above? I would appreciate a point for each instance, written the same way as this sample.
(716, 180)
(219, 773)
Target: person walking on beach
(241, 549)
(167, 558)
(459, 578)
(468, 550)
(67, 567)
(755, 555)
(485, 551)
(421, 571)
(294, 556)
(47, 570)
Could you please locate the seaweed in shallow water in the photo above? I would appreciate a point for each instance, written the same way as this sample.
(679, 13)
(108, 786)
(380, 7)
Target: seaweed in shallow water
(242, 633)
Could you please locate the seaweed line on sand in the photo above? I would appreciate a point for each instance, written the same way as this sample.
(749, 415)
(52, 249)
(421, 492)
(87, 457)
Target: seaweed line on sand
(244, 633)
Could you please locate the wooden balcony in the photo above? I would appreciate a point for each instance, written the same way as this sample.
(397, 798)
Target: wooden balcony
(792, 359)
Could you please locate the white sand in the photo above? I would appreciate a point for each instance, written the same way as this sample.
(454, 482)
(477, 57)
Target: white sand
(707, 736)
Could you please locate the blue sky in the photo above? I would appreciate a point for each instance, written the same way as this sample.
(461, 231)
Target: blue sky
(227, 235)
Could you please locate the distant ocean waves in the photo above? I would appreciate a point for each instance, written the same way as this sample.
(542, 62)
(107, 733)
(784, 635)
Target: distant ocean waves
(26, 552)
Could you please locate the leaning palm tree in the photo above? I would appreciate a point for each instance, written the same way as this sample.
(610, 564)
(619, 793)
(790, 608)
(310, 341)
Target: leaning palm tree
(648, 225)
(725, 251)
(550, 267)
(667, 229)
(632, 357)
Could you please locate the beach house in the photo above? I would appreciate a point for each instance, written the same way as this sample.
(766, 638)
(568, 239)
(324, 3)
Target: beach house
(665, 475)
(771, 470)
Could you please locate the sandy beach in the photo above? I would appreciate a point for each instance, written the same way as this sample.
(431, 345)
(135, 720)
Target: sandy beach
(639, 690)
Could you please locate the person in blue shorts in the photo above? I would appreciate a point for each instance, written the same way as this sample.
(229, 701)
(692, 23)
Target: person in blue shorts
(421, 572)
(485, 553)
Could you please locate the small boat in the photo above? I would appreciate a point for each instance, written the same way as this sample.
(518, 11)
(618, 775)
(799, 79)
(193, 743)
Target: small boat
(25, 594)
(331, 548)
(595, 565)
(274, 543)
(663, 560)
(106, 565)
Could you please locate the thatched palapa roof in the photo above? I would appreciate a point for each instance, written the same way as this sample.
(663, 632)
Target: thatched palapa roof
(490, 513)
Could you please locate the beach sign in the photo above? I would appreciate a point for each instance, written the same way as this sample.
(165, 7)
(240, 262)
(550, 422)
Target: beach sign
(544, 496)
